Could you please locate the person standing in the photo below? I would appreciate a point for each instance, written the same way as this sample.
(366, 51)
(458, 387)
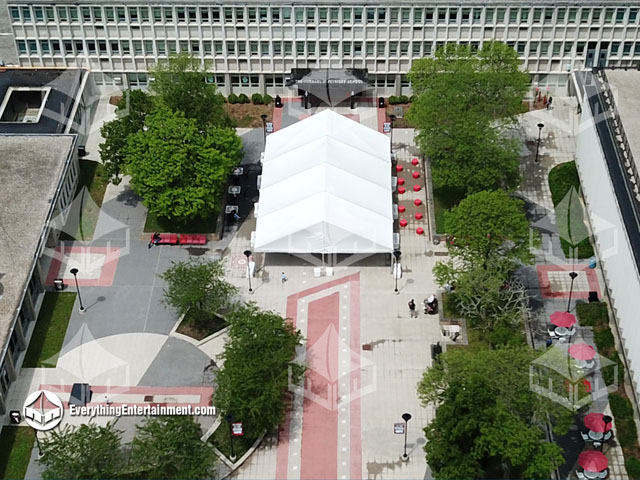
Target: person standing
(283, 278)
(412, 309)
(549, 102)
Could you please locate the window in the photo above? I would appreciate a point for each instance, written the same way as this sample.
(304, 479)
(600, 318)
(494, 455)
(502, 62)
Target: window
(524, 15)
(181, 14)
(172, 47)
(277, 48)
(513, 15)
(357, 15)
(217, 47)
(620, 15)
(357, 49)
(161, 46)
(215, 15)
(580, 48)
(45, 47)
(73, 14)
(335, 15)
(22, 46)
(231, 48)
(346, 49)
(556, 48)
(115, 47)
(86, 14)
(264, 15)
(264, 48)
(97, 14)
(323, 15)
(636, 50)
(615, 46)
(148, 46)
(416, 49)
(393, 49)
(299, 15)
(55, 46)
(466, 15)
(370, 46)
(633, 15)
(253, 48)
(122, 17)
(596, 15)
(533, 48)
(15, 14)
(137, 47)
(501, 14)
(442, 15)
(521, 47)
(204, 14)
(626, 49)
(68, 47)
(79, 46)
(288, 48)
(608, 15)
(311, 15)
(183, 45)
(428, 15)
(573, 12)
(561, 15)
(584, 15)
(109, 13)
(489, 15)
(404, 49)
(477, 15)
(275, 15)
(286, 14)
(39, 14)
(405, 15)
(334, 48)
(548, 15)
(381, 48)
(382, 15)
(193, 14)
(157, 14)
(133, 14)
(26, 14)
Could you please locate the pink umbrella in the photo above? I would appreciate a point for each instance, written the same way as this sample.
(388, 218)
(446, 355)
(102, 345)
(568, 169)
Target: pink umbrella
(593, 461)
(582, 351)
(596, 423)
(563, 319)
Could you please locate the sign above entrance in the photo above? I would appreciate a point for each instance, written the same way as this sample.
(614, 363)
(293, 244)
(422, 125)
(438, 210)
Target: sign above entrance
(331, 86)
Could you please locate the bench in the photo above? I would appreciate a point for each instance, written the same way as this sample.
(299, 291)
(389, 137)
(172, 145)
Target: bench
(167, 239)
(193, 239)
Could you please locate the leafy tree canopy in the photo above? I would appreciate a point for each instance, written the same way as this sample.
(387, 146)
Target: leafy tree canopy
(178, 168)
(487, 225)
(258, 369)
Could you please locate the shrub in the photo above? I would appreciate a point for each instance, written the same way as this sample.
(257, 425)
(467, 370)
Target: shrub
(266, 99)
(413, 98)
(504, 335)
(620, 407)
(256, 99)
(403, 99)
(633, 468)
(626, 432)
(393, 100)
(593, 314)
(608, 372)
(242, 98)
(604, 339)
(232, 99)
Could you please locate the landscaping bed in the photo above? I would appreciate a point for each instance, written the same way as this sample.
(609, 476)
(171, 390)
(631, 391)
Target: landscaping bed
(221, 439)
(154, 223)
(444, 198)
(561, 179)
(247, 115)
(50, 330)
(16, 444)
(199, 328)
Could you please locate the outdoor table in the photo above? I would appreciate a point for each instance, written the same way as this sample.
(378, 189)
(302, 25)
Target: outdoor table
(401, 190)
(419, 230)
(414, 161)
(416, 188)
(400, 181)
(399, 168)
(418, 216)
(561, 331)
(415, 175)
(401, 208)
(595, 435)
(403, 223)
(417, 202)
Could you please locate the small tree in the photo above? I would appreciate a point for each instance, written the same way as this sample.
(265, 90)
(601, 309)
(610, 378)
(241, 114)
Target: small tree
(197, 287)
(170, 448)
(487, 225)
(178, 168)
(258, 366)
(87, 451)
(131, 112)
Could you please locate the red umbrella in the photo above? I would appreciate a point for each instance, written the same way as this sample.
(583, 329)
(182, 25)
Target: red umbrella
(582, 351)
(593, 461)
(563, 319)
(595, 422)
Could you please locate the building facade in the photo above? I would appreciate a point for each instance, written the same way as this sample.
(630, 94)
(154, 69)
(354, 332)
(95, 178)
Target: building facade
(251, 46)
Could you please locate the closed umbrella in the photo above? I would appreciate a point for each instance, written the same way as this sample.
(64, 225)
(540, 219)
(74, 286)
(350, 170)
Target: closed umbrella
(563, 319)
(593, 461)
(597, 423)
(582, 351)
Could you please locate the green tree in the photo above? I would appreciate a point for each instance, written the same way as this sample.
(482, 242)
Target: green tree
(464, 99)
(178, 168)
(170, 447)
(87, 451)
(488, 225)
(258, 368)
(180, 83)
(488, 421)
(197, 287)
(131, 112)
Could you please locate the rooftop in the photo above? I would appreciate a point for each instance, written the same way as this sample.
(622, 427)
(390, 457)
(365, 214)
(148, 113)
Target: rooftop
(625, 86)
(32, 166)
(34, 100)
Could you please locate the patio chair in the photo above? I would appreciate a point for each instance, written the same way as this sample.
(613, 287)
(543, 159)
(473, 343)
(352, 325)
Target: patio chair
(585, 437)
(552, 333)
(580, 474)
(571, 331)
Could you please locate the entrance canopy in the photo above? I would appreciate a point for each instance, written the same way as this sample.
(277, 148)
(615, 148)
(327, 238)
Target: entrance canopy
(326, 188)
(332, 86)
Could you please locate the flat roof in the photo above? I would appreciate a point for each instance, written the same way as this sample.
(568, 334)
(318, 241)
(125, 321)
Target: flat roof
(625, 86)
(64, 86)
(32, 167)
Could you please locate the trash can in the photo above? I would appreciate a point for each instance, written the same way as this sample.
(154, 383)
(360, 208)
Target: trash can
(592, 263)
(381, 102)
(58, 283)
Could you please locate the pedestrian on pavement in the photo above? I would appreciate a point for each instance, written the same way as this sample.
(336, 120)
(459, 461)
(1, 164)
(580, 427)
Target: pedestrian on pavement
(284, 277)
(236, 217)
(412, 309)
(549, 102)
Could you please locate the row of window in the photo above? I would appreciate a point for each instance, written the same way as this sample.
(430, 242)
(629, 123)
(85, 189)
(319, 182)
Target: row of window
(334, 15)
(287, 48)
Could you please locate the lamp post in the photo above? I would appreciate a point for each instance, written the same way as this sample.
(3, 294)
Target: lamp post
(540, 126)
(40, 452)
(264, 128)
(573, 276)
(229, 419)
(406, 417)
(396, 256)
(393, 119)
(74, 272)
(247, 253)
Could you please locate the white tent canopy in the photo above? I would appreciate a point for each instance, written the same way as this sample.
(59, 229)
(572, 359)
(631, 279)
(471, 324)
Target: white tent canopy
(326, 188)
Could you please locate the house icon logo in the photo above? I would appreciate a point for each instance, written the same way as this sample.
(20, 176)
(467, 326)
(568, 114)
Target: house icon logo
(43, 410)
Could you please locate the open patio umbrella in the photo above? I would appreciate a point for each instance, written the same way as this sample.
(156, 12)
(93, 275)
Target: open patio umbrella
(596, 422)
(563, 319)
(582, 351)
(593, 461)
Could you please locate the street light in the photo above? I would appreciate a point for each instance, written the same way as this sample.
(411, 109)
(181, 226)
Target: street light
(247, 253)
(40, 452)
(264, 128)
(406, 417)
(573, 276)
(229, 419)
(396, 256)
(540, 126)
(393, 119)
(74, 272)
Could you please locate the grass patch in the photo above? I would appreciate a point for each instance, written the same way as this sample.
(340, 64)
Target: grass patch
(155, 223)
(247, 115)
(16, 444)
(448, 305)
(444, 198)
(200, 328)
(561, 179)
(51, 327)
(593, 314)
(222, 441)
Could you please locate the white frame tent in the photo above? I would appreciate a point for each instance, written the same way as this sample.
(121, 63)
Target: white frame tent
(326, 188)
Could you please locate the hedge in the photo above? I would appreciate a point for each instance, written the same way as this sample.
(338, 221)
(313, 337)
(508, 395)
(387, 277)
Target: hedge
(633, 468)
(242, 98)
(256, 98)
(620, 406)
(604, 340)
(593, 314)
(608, 372)
(233, 98)
(267, 99)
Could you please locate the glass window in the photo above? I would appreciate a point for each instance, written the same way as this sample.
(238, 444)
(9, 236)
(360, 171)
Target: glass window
(346, 49)
(608, 15)
(125, 46)
(172, 46)
(633, 15)
(382, 15)
(357, 15)
(275, 15)
(55, 46)
(393, 49)
(595, 18)
(264, 48)
(137, 47)
(299, 15)
(406, 15)
(513, 15)
(477, 15)
(133, 14)
(38, 12)
(573, 12)
(524, 15)
(254, 46)
(33, 46)
(204, 14)
(193, 14)
(561, 15)
(556, 48)
(323, 15)
(466, 15)
(584, 15)
(288, 48)
(416, 49)
(334, 48)
(68, 46)
(122, 17)
(381, 48)
(148, 46)
(620, 15)
(370, 46)
(15, 14)
(157, 14)
(324, 49)
(277, 48)
(548, 15)
(404, 49)
(501, 14)
(537, 15)
(97, 14)
(181, 14)
(26, 14)
(626, 49)
(115, 47)
(442, 15)
(533, 48)
(418, 14)
(231, 48)
(46, 50)
(22, 46)
(168, 14)
(489, 12)
(86, 14)
(615, 46)
(264, 15)
(286, 14)
(217, 47)
(79, 46)
(428, 15)
(311, 15)
(335, 15)
(73, 14)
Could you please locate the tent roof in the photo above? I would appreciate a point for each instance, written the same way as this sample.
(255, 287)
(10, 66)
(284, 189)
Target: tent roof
(326, 188)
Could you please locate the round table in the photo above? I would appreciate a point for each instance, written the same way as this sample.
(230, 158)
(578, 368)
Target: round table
(417, 202)
(595, 435)
(562, 331)
(399, 168)
(419, 230)
(414, 161)
(415, 175)
(403, 222)
(401, 190)
(400, 181)
(401, 208)
(416, 188)
(419, 216)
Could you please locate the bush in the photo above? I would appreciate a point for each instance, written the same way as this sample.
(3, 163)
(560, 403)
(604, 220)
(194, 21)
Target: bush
(266, 98)
(633, 468)
(608, 372)
(504, 335)
(256, 99)
(232, 99)
(620, 407)
(393, 100)
(593, 314)
(413, 98)
(403, 99)
(626, 433)
(604, 340)
(242, 98)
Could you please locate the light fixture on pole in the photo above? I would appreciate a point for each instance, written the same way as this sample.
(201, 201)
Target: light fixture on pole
(40, 452)
(573, 276)
(396, 273)
(406, 417)
(247, 253)
(393, 119)
(264, 117)
(540, 126)
(74, 272)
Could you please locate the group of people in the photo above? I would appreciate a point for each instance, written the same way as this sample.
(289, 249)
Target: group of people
(430, 306)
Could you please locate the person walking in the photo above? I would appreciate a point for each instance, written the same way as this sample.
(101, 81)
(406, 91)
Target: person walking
(284, 277)
(549, 102)
(412, 309)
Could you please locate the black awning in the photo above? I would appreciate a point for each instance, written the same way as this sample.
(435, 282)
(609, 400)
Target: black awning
(332, 86)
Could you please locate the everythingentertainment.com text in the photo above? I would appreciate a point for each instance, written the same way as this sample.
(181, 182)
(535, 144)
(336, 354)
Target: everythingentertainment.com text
(125, 410)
